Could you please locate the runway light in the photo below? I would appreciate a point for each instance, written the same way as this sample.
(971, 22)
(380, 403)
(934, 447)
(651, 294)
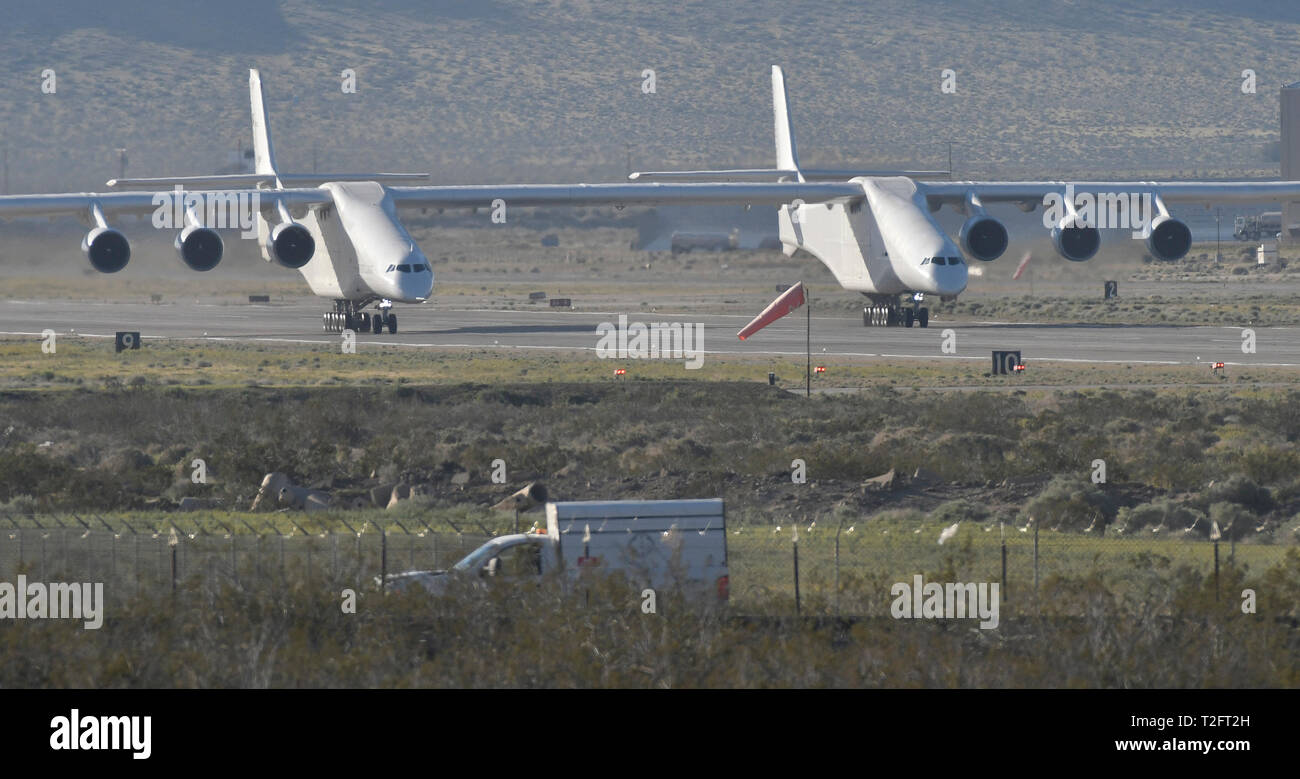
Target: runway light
(819, 369)
(620, 371)
(1019, 368)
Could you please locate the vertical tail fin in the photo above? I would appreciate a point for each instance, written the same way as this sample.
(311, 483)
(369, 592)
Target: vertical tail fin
(787, 157)
(263, 151)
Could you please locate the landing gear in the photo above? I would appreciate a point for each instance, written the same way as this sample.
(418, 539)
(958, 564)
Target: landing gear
(347, 315)
(888, 313)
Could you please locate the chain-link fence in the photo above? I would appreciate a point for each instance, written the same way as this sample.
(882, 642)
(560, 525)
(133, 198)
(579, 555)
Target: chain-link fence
(853, 570)
(131, 558)
(845, 570)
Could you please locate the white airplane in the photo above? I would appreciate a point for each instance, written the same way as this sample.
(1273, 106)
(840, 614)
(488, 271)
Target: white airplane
(342, 231)
(894, 249)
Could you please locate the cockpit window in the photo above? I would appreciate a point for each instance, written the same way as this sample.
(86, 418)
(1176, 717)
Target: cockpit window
(391, 268)
(954, 261)
(940, 260)
(403, 268)
(925, 261)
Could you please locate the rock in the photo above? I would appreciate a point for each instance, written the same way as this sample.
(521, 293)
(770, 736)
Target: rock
(316, 501)
(298, 498)
(401, 492)
(925, 477)
(885, 481)
(381, 495)
(460, 479)
(272, 483)
(531, 496)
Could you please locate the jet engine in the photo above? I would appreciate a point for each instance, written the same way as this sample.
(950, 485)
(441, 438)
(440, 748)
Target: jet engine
(1169, 239)
(290, 244)
(200, 248)
(107, 249)
(983, 237)
(1073, 242)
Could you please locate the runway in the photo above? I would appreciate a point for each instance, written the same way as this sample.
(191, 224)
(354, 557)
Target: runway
(839, 335)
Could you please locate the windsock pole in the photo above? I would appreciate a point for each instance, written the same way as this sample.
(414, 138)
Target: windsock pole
(807, 303)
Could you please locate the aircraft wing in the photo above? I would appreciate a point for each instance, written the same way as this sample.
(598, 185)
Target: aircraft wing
(1033, 192)
(618, 195)
(113, 203)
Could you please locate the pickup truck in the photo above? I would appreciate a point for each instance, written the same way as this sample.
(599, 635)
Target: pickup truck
(654, 544)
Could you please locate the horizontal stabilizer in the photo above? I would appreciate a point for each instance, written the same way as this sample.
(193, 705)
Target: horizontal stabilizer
(225, 181)
(252, 180)
(774, 174)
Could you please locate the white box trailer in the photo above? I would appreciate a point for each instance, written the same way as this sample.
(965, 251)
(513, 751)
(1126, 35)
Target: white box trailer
(656, 544)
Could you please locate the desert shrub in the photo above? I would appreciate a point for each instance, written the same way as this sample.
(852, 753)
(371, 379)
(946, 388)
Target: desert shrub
(960, 511)
(1069, 503)
(1162, 513)
(1235, 521)
(1242, 491)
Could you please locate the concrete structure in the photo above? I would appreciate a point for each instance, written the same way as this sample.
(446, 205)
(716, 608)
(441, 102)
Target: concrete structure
(1290, 112)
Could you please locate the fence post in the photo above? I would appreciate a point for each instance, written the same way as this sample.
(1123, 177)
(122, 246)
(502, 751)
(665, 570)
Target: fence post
(383, 558)
(44, 536)
(796, 569)
(135, 563)
(1035, 560)
(1216, 570)
(1002, 537)
(837, 566)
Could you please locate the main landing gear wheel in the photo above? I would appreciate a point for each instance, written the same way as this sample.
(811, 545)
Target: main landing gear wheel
(891, 314)
(392, 324)
(881, 316)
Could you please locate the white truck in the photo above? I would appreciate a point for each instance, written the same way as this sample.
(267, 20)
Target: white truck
(654, 543)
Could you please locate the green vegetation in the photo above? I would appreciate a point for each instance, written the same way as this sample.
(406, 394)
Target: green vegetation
(1166, 630)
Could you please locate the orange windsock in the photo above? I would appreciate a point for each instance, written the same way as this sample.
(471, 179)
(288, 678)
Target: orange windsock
(788, 301)
(1024, 263)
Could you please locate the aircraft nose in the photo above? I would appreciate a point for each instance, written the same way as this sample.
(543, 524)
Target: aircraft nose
(409, 279)
(950, 279)
(417, 286)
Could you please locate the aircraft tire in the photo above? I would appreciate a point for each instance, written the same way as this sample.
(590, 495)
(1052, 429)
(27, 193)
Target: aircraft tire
(923, 316)
(909, 317)
(392, 324)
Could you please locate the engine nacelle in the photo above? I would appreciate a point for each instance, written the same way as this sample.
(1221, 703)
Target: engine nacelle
(1073, 242)
(290, 244)
(107, 249)
(200, 248)
(1169, 239)
(983, 237)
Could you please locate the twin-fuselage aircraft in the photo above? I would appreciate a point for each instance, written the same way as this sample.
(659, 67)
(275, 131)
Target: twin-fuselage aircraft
(874, 230)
